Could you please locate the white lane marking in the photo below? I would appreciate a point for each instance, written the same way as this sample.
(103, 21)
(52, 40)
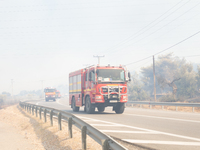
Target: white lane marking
(58, 101)
(88, 120)
(116, 131)
(163, 142)
(164, 118)
(38, 103)
(148, 130)
(104, 125)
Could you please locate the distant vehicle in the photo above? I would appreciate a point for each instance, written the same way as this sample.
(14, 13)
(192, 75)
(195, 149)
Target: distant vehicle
(50, 93)
(58, 94)
(99, 86)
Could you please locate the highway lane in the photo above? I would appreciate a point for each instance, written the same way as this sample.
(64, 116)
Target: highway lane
(156, 129)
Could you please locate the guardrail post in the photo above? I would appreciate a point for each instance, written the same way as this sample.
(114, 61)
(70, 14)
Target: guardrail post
(32, 110)
(36, 111)
(40, 111)
(176, 108)
(84, 136)
(51, 117)
(162, 107)
(150, 106)
(70, 127)
(45, 118)
(59, 121)
(192, 109)
(29, 108)
(105, 145)
(140, 105)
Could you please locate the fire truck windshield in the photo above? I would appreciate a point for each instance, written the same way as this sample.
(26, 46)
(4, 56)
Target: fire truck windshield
(49, 90)
(109, 75)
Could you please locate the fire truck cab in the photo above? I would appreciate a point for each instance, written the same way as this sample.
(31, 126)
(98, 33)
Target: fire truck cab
(50, 94)
(99, 87)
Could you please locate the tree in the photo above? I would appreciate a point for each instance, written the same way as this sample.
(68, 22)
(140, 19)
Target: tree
(173, 75)
(187, 86)
(167, 68)
(2, 100)
(6, 93)
(135, 89)
(198, 78)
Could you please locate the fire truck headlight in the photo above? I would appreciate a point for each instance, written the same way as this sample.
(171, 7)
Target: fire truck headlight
(46, 96)
(98, 97)
(124, 97)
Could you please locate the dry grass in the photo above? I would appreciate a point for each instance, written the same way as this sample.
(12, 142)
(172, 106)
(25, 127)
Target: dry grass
(172, 108)
(42, 135)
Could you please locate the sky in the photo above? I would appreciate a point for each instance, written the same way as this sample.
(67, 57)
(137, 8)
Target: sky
(42, 41)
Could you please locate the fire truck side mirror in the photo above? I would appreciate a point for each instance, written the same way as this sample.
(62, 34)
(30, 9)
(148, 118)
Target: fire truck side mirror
(129, 76)
(99, 79)
(90, 76)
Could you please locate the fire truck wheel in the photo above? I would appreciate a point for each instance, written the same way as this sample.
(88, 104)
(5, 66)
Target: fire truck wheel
(101, 108)
(89, 107)
(46, 100)
(119, 109)
(74, 105)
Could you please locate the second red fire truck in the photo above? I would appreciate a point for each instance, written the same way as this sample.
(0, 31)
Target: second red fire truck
(50, 94)
(99, 87)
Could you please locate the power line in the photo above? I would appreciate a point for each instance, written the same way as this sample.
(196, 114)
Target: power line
(172, 29)
(191, 56)
(62, 9)
(141, 65)
(164, 25)
(21, 6)
(177, 43)
(149, 61)
(138, 33)
(166, 48)
(169, 22)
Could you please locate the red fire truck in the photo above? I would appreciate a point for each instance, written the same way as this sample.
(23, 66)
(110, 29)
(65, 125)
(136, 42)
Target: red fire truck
(99, 86)
(50, 93)
(58, 94)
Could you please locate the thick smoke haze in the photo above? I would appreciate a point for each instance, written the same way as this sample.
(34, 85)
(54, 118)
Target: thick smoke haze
(41, 42)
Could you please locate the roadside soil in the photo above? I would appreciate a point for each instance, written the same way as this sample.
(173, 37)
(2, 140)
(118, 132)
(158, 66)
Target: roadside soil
(20, 130)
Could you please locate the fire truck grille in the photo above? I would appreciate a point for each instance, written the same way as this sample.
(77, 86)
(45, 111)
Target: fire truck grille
(111, 90)
(112, 96)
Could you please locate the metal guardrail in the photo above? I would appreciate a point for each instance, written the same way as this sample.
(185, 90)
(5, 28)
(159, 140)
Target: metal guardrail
(104, 140)
(166, 104)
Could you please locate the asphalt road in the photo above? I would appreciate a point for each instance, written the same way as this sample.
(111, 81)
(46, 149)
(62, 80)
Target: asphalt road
(156, 129)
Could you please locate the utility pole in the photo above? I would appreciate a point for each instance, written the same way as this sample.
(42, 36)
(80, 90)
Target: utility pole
(12, 87)
(154, 78)
(98, 58)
